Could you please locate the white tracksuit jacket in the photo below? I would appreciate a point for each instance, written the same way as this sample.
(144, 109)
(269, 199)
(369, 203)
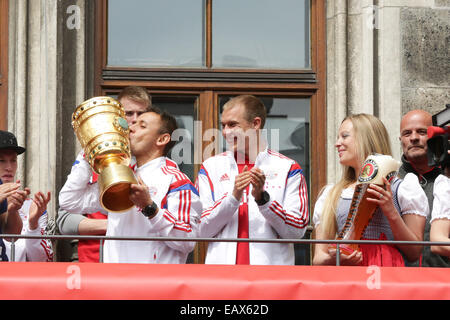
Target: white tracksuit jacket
(284, 216)
(178, 216)
(36, 250)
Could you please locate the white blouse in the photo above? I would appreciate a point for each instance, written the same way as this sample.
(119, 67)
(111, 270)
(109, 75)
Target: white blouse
(411, 199)
(441, 201)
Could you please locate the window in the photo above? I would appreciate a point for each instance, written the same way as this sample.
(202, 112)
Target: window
(4, 64)
(286, 128)
(184, 110)
(193, 55)
(156, 33)
(173, 33)
(260, 34)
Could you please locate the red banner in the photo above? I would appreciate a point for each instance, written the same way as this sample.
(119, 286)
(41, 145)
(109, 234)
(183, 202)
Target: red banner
(27, 280)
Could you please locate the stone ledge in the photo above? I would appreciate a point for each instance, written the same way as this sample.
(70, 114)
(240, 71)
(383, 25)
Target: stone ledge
(408, 3)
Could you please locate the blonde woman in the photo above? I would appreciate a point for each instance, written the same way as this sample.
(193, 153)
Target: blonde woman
(403, 206)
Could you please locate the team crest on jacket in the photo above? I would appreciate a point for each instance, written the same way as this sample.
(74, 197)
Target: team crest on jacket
(152, 191)
(271, 175)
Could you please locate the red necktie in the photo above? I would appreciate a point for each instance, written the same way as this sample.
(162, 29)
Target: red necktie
(243, 252)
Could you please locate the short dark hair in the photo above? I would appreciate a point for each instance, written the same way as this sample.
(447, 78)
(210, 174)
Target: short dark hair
(254, 107)
(168, 125)
(137, 94)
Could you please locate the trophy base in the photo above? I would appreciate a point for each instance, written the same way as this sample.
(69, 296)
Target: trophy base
(114, 183)
(345, 249)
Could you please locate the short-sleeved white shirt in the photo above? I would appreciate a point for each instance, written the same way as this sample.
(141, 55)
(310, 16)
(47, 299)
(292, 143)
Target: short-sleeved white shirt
(441, 198)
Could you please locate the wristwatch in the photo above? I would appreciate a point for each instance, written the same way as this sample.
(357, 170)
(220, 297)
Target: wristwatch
(150, 210)
(265, 197)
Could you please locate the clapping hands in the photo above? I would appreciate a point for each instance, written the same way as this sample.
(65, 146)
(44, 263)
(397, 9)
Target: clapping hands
(37, 208)
(16, 197)
(255, 176)
(7, 189)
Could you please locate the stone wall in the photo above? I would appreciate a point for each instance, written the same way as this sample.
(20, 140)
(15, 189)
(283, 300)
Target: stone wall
(425, 57)
(385, 57)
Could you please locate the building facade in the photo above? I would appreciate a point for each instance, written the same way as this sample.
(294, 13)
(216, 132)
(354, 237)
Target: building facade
(311, 61)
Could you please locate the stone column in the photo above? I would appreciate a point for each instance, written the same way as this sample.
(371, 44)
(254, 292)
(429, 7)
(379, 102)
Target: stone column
(336, 78)
(17, 84)
(350, 67)
(47, 80)
(361, 25)
(32, 91)
(389, 71)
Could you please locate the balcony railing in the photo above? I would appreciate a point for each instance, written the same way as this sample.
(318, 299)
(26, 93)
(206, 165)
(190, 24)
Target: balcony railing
(15, 237)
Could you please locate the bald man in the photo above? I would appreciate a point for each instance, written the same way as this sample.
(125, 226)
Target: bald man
(413, 137)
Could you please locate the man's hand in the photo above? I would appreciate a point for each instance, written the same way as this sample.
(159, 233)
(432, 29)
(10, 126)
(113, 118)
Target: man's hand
(355, 259)
(241, 182)
(38, 208)
(16, 199)
(383, 198)
(11, 221)
(139, 194)
(258, 180)
(7, 189)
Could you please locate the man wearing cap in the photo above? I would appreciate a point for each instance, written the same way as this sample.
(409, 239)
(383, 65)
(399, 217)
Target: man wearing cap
(23, 215)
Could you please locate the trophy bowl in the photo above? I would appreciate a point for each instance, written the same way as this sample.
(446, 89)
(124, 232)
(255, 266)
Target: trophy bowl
(102, 130)
(361, 211)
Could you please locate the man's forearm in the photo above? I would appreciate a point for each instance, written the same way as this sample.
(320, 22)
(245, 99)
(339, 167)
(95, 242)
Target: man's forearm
(11, 222)
(90, 226)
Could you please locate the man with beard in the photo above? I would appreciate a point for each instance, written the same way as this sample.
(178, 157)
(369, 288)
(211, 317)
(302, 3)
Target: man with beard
(413, 138)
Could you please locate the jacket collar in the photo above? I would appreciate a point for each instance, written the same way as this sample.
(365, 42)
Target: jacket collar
(153, 164)
(429, 176)
(262, 155)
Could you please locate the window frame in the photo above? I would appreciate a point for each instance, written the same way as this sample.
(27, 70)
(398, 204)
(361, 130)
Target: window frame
(208, 84)
(206, 74)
